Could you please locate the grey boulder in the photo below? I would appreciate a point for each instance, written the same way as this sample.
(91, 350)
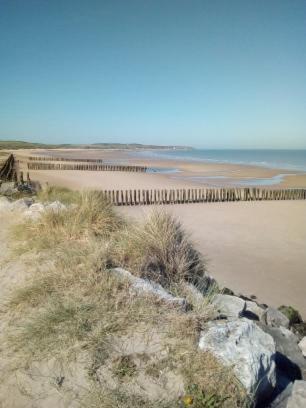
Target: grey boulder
(144, 286)
(240, 343)
(274, 318)
(229, 306)
(21, 205)
(253, 311)
(281, 400)
(289, 359)
(302, 346)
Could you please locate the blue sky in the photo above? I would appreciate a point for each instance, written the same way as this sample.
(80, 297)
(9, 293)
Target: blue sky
(212, 74)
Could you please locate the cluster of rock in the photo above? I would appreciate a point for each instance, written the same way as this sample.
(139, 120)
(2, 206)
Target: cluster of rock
(257, 341)
(11, 188)
(29, 208)
(265, 347)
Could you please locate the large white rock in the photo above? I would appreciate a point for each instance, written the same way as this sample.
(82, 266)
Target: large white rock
(230, 306)
(240, 343)
(302, 346)
(140, 285)
(298, 396)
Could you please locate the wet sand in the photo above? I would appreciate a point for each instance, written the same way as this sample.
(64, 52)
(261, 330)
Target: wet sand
(193, 174)
(256, 248)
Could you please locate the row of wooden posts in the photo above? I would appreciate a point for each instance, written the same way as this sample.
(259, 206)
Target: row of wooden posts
(8, 170)
(202, 195)
(65, 159)
(91, 167)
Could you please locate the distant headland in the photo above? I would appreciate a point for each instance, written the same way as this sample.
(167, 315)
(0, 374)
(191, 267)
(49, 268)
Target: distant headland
(17, 144)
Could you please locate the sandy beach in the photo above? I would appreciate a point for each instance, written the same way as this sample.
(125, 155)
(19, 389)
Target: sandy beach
(174, 173)
(256, 248)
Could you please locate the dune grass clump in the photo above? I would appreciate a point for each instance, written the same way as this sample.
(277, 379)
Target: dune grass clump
(73, 305)
(160, 250)
(92, 215)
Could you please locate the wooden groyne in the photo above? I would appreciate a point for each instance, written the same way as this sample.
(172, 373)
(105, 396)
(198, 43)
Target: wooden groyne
(202, 195)
(65, 159)
(8, 169)
(85, 167)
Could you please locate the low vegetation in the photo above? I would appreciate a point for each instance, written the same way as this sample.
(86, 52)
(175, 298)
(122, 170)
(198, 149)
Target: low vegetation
(159, 249)
(130, 351)
(292, 314)
(18, 144)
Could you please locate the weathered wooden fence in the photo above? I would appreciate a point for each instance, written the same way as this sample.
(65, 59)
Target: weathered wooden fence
(182, 196)
(91, 167)
(65, 159)
(8, 169)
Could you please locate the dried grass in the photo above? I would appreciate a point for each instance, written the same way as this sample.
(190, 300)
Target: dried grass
(74, 305)
(160, 250)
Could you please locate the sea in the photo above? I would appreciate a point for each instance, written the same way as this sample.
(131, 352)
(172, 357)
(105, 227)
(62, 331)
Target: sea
(293, 160)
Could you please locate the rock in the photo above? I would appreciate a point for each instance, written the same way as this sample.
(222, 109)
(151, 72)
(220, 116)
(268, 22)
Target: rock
(25, 188)
(8, 188)
(242, 344)
(227, 291)
(274, 318)
(298, 396)
(288, 358)
(22, 204)
(5, 203)
(302, 346)
(230, 306)
(299, 329)
(253, 311)
(281, 400)
(243, 297)
(292, 314)
(140, 285)
(34, 211)
(56, 206)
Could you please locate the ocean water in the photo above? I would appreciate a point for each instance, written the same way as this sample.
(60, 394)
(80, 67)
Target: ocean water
(277, 159)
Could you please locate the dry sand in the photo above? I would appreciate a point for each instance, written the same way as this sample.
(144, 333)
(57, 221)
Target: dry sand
(255, 248)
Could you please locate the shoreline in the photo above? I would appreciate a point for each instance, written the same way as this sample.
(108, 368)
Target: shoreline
(183, 173)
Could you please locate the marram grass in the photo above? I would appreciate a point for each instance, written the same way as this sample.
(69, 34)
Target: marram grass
(73, 306)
